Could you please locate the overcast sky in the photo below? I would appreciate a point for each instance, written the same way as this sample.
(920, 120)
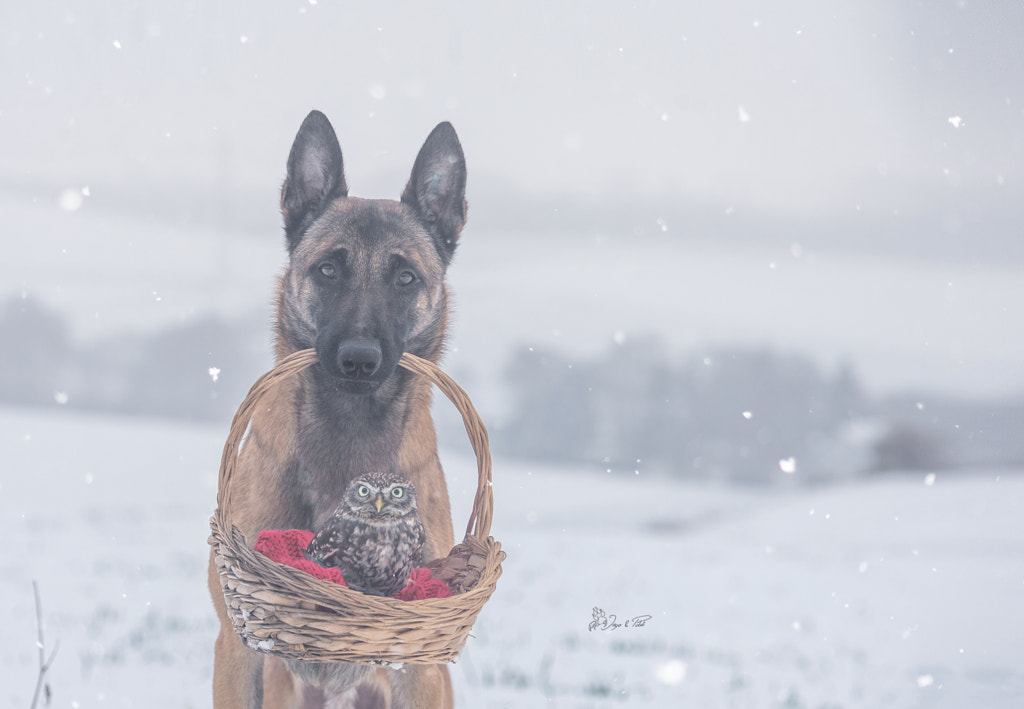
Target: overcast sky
(796, 105)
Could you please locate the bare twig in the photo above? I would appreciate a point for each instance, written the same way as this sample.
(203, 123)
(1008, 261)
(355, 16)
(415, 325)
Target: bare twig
(44, 662)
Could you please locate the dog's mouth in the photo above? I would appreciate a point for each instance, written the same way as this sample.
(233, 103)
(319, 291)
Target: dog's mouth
(359, 387)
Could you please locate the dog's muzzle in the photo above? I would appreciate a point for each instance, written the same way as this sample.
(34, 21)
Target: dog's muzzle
(359, 360)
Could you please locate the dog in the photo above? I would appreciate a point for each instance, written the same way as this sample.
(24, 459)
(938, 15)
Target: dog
(365, 282)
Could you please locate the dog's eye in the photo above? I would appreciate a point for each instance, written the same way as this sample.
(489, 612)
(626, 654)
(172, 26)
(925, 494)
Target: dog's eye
(406, 278)
(328, 269)
(364, 491)
(397, 493)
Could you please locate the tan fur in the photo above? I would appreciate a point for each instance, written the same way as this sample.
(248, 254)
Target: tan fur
(298, 457)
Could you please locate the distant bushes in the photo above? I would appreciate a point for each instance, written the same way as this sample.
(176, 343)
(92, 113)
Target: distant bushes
(164, 374)
(35, 353)
(732, 414)
(928, 432)
(751, 415)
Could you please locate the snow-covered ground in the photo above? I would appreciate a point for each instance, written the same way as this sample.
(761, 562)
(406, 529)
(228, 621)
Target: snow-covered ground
(900, 591)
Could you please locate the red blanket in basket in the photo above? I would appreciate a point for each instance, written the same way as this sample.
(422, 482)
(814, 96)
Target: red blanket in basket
(285, 546)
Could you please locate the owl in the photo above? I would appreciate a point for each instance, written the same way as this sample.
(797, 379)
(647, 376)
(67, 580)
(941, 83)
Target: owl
(375, 536)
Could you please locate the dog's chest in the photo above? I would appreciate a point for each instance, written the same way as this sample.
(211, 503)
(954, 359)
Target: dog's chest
(320, 494)
(334, 447)
(321, 491)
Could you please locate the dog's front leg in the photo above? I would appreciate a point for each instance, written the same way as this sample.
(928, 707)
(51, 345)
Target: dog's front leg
(237, 674)
(237, 670)
(422, 686)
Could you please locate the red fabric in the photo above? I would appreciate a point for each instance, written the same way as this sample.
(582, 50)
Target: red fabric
(286, 546)
(422, 584)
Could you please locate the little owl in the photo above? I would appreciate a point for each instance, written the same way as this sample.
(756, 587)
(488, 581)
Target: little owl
(375, 536)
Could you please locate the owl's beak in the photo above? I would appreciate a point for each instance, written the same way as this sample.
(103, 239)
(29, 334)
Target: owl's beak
(379, 502)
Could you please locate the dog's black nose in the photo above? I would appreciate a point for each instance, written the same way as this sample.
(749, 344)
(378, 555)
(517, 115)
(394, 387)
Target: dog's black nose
(359, 359)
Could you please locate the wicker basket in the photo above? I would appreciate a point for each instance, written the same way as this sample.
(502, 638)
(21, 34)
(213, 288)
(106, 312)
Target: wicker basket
(282, 611)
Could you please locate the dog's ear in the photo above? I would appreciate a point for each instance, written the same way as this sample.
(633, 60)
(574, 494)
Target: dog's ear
(437, 187)
(315, 175)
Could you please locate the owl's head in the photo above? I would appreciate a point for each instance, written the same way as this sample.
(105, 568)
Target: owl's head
(381, 495)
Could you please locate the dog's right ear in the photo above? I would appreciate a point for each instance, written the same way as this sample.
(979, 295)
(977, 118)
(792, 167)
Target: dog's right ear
(316, 175)
(437, 188)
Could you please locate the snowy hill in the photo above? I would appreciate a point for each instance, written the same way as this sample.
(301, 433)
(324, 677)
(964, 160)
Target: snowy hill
(901, 591)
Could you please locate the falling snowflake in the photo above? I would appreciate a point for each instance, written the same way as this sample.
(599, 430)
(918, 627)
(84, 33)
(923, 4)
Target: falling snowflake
(788, 465)
(214, 372)
(672, 672)
(71, 199)
(955, 121)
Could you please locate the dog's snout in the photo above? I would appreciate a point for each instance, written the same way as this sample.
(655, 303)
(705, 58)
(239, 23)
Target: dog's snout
(359, 359)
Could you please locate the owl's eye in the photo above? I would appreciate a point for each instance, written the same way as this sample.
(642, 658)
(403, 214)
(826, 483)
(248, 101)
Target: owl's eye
(398, 493)
(364, 491)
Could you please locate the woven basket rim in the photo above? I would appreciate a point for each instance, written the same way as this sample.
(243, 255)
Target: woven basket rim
(327, 593)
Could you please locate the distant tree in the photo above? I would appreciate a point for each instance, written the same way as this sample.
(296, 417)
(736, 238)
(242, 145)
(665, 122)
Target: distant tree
(199, 370)
(552, 400)
(757, 407)
(732, 414)
(35, 351)
(628, 388)
(907, 447)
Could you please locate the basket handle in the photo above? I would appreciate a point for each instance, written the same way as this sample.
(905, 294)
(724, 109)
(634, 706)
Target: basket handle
(479, 524)
(290, 365)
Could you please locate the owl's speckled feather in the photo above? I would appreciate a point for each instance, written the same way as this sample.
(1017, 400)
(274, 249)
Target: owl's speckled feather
(375, 536)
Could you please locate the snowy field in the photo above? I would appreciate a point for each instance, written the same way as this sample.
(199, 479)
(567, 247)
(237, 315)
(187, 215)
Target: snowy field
(903, 591)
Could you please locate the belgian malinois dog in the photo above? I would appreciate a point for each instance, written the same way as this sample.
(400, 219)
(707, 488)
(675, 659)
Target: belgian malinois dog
(365, 282)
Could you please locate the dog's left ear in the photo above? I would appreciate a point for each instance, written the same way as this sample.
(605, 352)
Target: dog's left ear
(437, 187)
